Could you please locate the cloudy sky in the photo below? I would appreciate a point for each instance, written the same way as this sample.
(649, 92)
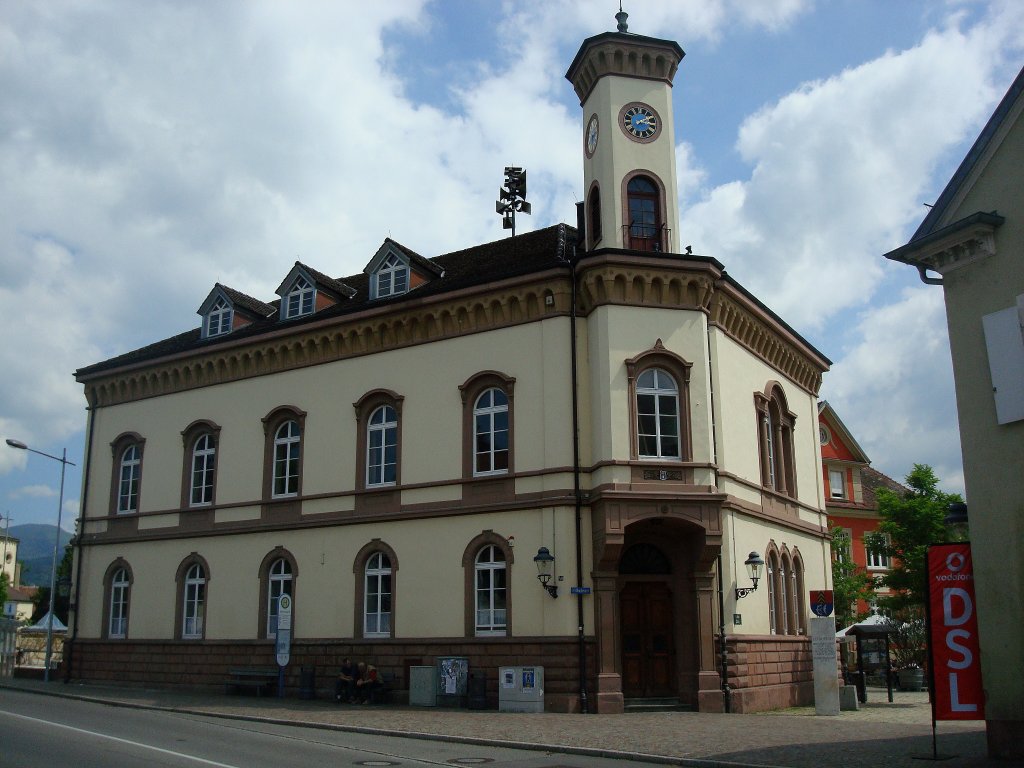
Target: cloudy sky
(150, 149)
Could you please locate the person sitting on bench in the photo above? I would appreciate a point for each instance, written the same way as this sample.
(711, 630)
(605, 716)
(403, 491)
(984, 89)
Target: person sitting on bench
(366, 682)
(345, 685)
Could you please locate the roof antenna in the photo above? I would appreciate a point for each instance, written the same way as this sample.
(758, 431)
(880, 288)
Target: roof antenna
(621, 17)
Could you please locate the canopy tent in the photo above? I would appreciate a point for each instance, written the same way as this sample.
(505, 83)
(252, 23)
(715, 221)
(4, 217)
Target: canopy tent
(41, 625)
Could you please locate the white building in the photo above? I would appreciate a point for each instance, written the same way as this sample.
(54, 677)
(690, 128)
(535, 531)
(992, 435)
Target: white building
(394, 448)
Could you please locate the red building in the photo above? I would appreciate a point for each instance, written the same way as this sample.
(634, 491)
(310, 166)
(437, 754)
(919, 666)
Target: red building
(851, 485)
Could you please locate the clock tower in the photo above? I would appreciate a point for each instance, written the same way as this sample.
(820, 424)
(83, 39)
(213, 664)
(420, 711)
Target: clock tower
(624, 83)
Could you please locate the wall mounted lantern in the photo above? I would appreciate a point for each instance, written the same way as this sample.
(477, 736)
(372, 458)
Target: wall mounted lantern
(755, 566)
(545, 565)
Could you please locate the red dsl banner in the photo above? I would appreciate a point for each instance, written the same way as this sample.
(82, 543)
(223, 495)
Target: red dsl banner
(956, 662)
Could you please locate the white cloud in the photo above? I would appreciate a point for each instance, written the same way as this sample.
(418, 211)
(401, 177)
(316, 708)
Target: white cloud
(34, 491)
(149, 150)
(839, 168)
(894, 387)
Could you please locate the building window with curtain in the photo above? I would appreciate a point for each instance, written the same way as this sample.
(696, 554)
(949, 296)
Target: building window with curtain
(491, 588)
(194, 602)
(287, 452)
(204, 462)
(490, 433)
(657, 415)
(279, 583)
(377, 596)
(382, 447)
(120, 586)
(644, 210)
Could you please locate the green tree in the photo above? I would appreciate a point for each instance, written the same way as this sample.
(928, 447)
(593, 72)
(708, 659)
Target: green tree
(849, 583)
(3, 588)
(910, 522)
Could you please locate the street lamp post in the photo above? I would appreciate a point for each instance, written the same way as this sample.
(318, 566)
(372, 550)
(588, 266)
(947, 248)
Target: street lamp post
(63, 459)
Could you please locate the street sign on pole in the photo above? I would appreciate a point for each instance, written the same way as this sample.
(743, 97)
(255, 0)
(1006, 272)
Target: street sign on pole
(284, 630)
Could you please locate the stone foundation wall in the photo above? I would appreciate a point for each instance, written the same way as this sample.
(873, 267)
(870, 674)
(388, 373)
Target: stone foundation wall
(205, 664)
(769, 672)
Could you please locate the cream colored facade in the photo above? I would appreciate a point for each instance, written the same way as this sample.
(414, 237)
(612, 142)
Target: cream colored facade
(974, 238)
(656, 541)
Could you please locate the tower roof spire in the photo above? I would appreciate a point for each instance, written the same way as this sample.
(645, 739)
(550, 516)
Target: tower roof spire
(621, 18)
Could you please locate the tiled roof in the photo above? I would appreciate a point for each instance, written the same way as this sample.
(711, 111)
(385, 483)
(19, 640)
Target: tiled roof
(248, 303)
(21, 594)
(871, 480)
(506, 258)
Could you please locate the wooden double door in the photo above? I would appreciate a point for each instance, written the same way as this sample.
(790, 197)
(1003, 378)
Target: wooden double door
(648, 649)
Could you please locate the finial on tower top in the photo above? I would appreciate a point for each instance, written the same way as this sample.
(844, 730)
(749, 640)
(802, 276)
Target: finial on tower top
(621, 17)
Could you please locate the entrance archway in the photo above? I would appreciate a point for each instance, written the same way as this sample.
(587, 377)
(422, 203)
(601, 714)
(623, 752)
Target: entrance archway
(646, 624)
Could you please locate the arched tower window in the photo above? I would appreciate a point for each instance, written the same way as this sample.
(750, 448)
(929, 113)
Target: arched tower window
(594, 216)
(643, 204)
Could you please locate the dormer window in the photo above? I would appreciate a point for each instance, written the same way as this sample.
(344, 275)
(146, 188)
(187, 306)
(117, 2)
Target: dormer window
(218, 320)
(226, 310)
(300, 299)
(392, 278)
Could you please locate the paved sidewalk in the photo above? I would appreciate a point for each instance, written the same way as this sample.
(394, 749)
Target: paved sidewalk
(879, 734)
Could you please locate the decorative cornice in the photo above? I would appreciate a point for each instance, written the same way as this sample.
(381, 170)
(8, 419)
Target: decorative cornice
(605, 279)
(745, 324)
(502, 305)
(624, 55)
(957, 245)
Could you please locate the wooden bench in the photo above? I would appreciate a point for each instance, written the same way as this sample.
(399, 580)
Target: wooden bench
(254, 678)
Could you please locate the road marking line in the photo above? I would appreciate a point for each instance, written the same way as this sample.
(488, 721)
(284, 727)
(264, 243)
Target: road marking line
(122, 741)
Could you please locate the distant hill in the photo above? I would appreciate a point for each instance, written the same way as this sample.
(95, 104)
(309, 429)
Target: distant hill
(35, 551)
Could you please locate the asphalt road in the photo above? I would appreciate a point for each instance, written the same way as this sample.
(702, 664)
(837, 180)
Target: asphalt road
(42, 731)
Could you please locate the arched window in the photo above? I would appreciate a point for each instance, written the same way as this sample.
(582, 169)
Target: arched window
(193, 602)
(287, 452)
(644, 211)
(490, 433)
(772, 568)
(657, 415)
(382, 447)
(782, 595)
(491, 588)
(594, 216)
(659, 405)
(488, 425)
(119, 605)
(487, 568)
(117, 585)
(377, 596)
(279, 583)
(300, 300)
(283, 456)
(204, 461)
(130, 476)
(795, 583)
(775, 424)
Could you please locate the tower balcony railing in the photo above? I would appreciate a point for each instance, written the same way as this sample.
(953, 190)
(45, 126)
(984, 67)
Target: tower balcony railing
(647, 237)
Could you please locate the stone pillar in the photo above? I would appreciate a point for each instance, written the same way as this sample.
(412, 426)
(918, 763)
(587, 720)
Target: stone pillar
(608, 697)
(709, 681)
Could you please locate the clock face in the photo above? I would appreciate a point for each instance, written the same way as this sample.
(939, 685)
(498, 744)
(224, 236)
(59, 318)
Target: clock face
(591, 136)
(640, 122)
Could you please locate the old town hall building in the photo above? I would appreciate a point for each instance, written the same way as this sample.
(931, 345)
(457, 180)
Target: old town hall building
(400, 449)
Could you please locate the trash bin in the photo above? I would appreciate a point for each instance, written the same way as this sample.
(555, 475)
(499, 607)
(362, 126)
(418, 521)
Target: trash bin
(477, 690)
(307, 683)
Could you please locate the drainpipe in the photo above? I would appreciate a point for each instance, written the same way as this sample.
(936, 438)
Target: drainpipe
(69, 643)
(724, 671)
(576, 481)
